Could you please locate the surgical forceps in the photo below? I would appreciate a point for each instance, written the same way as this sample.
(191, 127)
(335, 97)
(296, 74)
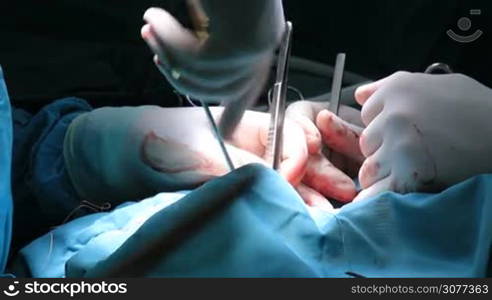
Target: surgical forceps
(336, 89)
(234, 110)
(277, 108)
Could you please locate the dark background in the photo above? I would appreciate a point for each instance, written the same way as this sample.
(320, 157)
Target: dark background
(92, 49)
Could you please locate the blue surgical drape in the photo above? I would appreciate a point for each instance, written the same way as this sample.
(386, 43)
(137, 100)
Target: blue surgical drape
(5, 165)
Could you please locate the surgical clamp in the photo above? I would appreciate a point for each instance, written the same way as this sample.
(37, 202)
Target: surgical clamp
(234, 110)
(277, 109)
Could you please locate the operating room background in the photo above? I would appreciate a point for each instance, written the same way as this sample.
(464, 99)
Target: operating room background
(93, 49)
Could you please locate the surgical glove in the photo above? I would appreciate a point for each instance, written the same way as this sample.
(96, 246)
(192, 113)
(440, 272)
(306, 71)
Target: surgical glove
(232, 63)
(331, 176)
(129, 153)
(424, 132)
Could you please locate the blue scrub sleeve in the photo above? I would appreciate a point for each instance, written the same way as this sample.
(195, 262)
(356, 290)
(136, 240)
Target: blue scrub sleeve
(5, 165)
(43, 194)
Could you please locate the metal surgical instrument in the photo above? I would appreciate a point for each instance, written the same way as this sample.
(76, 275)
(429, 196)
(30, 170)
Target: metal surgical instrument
(277, 109)
(222, 145)
(235, 110)
(336, 86)
(216, 131)
(336, 89)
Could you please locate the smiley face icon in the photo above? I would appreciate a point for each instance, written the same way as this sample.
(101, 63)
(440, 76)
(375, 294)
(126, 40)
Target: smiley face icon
(465, 24)
(11, 290)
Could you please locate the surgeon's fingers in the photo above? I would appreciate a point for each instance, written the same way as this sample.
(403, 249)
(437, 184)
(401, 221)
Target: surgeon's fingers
(364, 92)
(339, 135)
(230, 87)
(379, 187)
(176, 51)
(325, 178)
(371, 138)
(373, 107)
(314, 199)
(207, 78)
(371, 98)
(210, 70)
(374, 169)
(161, 57)
(171, 33)
(164, 59)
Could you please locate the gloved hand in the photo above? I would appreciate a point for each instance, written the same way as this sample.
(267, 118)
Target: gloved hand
(424, 132)
(129, 153)
(329, 177)
(235, 59)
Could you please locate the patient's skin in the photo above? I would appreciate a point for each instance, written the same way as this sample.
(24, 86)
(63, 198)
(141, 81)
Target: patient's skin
(180, 142)
(179, 157)
(190, 151)
(135, 152)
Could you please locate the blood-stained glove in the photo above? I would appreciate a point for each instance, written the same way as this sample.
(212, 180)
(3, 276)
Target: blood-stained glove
(329, 177)
(424, 132)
